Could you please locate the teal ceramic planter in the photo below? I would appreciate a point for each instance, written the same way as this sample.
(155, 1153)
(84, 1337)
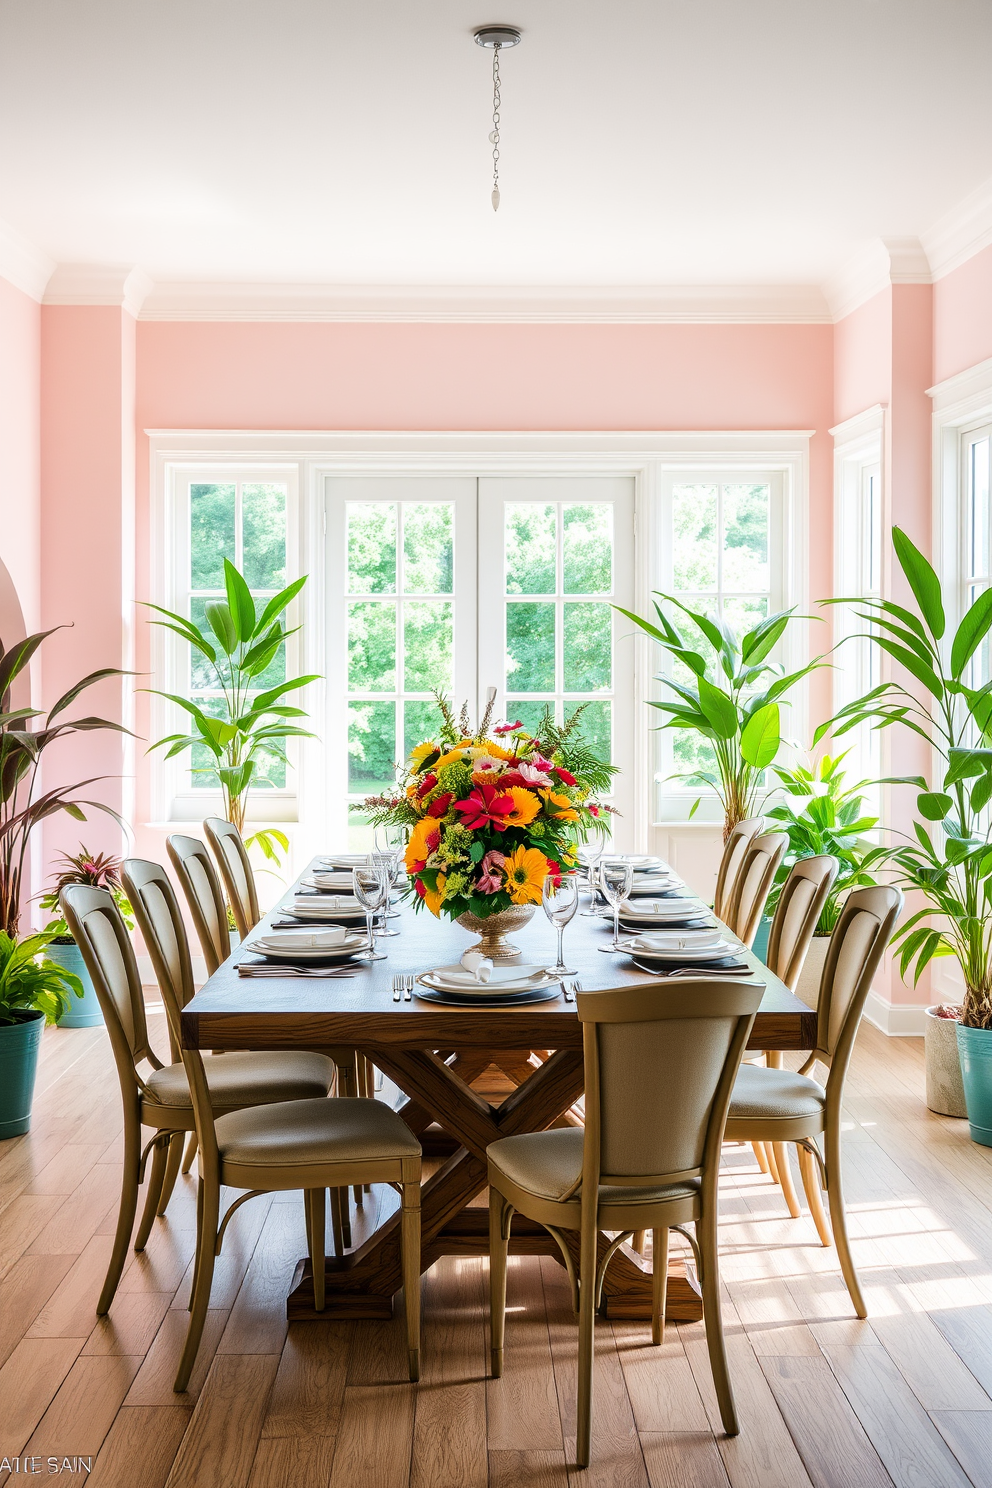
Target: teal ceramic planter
(760, 947)
(85, 1012)
(19, 1045)
(975, 1053)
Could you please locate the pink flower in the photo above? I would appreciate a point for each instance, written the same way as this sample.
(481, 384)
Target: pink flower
(485, 806)
(507, 728)
(530, 774)
(490, 879)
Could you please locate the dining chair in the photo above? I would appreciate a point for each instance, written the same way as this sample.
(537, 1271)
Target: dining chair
(229, 849)
(779, 1105)
(660, 1064)
(160, 1099)
(313, 1145)
(734, 849)
(204, 896)
(754, 882)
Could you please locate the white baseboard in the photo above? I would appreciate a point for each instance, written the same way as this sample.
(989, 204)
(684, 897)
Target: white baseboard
(897, 1019)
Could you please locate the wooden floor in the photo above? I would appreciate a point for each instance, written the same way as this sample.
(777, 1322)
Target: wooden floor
(904, 1398)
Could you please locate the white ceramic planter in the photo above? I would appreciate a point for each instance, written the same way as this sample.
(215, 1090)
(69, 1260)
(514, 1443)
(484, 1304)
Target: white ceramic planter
(808, 985)
(945, 1091)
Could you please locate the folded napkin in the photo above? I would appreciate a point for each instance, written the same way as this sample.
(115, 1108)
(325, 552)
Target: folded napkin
(325, 902)
(480, 966)
(305, 940)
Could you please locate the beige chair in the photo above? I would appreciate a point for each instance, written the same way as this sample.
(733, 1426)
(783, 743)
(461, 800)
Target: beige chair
(660, 1064)
(239, 879)
(310, 1145)
(754, 883)
(204, 896)
(160, 1098)
(734, 849)
(778, 1105)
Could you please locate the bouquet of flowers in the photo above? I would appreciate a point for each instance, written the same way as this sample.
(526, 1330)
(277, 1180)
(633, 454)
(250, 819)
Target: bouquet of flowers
(491, 814)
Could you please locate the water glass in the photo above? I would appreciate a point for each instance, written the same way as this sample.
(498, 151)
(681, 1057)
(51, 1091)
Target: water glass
(589, 856)
(385, 859)
(616, 879)
(370, 891)
(560, 898)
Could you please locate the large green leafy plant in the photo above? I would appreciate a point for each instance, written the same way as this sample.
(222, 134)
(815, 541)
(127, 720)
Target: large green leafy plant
(949, 860)
(29, 983)
(729, 697)
(830, 819)
(251, 724)
(22, 804)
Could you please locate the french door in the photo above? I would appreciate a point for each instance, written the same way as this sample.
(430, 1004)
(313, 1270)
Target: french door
(459, 583)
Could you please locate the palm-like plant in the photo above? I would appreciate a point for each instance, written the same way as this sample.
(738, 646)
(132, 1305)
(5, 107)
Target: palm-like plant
(240, 646)
(953, 873)
(731, 699)
(22, 807)
(29, 983)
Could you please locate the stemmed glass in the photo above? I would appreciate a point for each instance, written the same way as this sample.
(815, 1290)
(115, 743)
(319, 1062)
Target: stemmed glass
(369, 888)
(560, 898)
(589, 855)
(616, 879)
(386, 860)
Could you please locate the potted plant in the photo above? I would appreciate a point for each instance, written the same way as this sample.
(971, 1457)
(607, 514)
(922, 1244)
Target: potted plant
(248, 724)
(730, 698)
(948, 861)
(491, 814)
(821, 815)
(100, 871)
(33, 991)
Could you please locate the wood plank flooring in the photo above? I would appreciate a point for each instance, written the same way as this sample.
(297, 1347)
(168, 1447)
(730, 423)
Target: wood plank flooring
(903, 1400)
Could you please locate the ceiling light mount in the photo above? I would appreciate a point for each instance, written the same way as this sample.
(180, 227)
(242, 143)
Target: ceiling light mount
(496, 38)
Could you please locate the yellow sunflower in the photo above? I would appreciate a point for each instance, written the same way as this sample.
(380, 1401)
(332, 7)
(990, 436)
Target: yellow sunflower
(525, 806)
(421, 752)
(525, 871)
(558, 806)
(433, 899)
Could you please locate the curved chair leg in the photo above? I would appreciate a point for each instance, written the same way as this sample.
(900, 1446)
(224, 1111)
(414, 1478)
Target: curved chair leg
(191, 1147)
(196, 1254)
(659, 1283)
(499, 1244)
(316, 1206)
(125, 1214)
(410, 1247)
(838, 1222)
(153, 1192)
(758, 1148)
(781, 1153)
(206, 1244)
(810, 1175)
(587, 1326)
(713, 1321)
(171, 1172)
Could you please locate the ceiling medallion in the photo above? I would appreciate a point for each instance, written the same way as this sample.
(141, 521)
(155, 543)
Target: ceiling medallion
(496, 38)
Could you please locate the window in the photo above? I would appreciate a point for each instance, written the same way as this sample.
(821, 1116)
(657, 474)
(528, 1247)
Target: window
(858, 548)
(977, 559)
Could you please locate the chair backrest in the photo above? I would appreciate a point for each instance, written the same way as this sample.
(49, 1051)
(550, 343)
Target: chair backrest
(159, 918)
(199, 882)
(797, 914)
(236, 871)
(856, 947)
(754, 883)
(96, 926)
(734, 849)
(660, 1065)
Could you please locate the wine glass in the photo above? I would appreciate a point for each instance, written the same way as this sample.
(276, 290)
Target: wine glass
(616, 879)
(560, 897)
(370, 891)
(385, 858)
(589, 855)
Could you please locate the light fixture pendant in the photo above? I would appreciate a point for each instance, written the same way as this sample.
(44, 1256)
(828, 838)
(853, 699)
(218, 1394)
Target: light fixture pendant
(496, 38)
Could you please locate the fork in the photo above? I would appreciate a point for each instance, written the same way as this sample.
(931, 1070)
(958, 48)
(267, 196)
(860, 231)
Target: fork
(408, 988)
(566, 991)
(292, 971)
(397, 987)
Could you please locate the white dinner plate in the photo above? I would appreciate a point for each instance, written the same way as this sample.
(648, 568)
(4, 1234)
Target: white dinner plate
(344, 860)
(332, 937)
(344, 952)
(648, 885)
(504, 979)
(637, 945)
(342, 882)
(658, 909)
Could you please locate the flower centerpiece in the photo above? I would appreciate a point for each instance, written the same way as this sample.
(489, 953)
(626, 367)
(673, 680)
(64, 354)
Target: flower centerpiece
(492, 813)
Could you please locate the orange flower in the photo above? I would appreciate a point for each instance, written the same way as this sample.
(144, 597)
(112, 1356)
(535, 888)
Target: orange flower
(559, 807)
(424, 838)
(525, 871)
(525, 806)
(433, 898)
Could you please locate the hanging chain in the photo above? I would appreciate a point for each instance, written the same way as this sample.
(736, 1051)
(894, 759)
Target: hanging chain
(495, 134)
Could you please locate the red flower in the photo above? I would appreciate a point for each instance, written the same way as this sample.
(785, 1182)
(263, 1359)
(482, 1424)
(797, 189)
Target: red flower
(440, 804)
(565, 776)
(486, 806)
(420, 887)
(507, 728)
(427, 784)
(593, 809)
(554, 871)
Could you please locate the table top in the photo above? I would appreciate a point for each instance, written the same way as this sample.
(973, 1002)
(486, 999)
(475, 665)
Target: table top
(235, 1012)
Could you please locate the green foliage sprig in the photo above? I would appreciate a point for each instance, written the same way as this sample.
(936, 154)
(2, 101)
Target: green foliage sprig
(29, 983)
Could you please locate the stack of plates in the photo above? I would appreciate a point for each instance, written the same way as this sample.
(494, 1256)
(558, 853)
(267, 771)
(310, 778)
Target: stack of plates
(333, 944)
(682, 947)
(345, 861)
(328, 883)
(330, 907)
(654, 883)
(506, 984)
(659, 913)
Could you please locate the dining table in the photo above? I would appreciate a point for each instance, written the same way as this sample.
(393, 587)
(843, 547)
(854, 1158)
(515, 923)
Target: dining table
(437, 1055)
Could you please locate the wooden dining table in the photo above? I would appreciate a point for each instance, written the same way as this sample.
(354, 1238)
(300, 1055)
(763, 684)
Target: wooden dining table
(435, 1054)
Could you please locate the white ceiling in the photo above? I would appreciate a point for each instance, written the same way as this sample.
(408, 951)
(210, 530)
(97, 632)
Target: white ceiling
(645, 142)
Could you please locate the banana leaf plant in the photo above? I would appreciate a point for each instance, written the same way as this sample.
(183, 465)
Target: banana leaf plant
(949, 859)
(22, 805)
(730, 698)
(238, 647)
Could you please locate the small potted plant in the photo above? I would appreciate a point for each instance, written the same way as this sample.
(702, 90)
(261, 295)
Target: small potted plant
(33, 991)
(100, 871)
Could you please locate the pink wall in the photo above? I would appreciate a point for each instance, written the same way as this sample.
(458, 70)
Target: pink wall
(20, 413)
(962, 304)
(863, 357)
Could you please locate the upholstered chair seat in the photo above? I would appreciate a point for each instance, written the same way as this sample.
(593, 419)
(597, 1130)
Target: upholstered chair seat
(792, 1106)
(236, 1080)
(277, 1146)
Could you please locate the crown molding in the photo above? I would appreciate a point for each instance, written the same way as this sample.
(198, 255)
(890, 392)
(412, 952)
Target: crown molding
(22, 264)
(530, 304)
(879, 264)
(861, 426)
(124, 285)
(961, 233)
